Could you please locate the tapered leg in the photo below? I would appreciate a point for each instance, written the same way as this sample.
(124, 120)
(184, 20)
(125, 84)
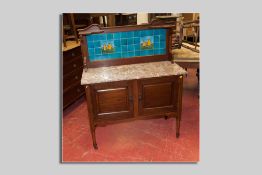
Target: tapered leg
(177, 127)
(93, 133)
(90, 116)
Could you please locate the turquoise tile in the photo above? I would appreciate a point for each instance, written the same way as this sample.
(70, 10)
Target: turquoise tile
(151, 52)
(91, 57)
(117, 42)
(162, 38)
(137, 53)
(156, 38)
(123, 41)
(147, 52)
(162, 31)
(111, 56)
(157, 52)
(124, 55)
(96, 37)
(130, 54)
(131, 48)
(124, 48)
(156, 31)
(137, 46)
(143, 53)
(118, 48)
(123, 34)
(162, 45)
(150, 32)
(117, 35)
(97, 44)
(142, 33)
(91, 51)
(96, 58)
(98, 51)
(109, 36)
(137, 33)
(156, 45)
(90, 38)
(136, 40)
(102, 37)
(130, 41)
(130, 34)
(90, 44)
(107, 56)
(103, 56)
(117, 55)
(162, 51)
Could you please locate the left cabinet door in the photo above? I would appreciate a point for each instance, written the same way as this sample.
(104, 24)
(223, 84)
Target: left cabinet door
(113, 100)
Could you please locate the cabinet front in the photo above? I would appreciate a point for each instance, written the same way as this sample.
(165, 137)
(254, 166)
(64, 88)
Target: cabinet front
(158, 95)
(113, 100)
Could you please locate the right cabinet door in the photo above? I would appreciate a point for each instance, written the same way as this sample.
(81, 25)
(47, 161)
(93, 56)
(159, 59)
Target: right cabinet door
(158, 95)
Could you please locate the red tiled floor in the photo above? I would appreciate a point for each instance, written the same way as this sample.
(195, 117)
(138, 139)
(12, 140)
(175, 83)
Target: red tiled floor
(137, 141)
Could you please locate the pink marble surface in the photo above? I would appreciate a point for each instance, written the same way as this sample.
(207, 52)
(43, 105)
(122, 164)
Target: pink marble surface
(130, 72)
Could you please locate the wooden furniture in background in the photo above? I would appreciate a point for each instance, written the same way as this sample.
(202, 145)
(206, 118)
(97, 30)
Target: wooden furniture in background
(191, 29)
(176, 32)
(71, 28)
(125, 92)
(187, 58)
(72, 72)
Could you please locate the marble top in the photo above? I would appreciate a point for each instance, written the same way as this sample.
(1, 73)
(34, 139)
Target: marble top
(131, 72)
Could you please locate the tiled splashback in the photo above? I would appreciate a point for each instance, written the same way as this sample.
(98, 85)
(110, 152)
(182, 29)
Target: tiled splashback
(135, 43)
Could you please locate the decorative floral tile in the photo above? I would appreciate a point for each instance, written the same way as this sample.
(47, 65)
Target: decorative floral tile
(107, 46)
(147, 42)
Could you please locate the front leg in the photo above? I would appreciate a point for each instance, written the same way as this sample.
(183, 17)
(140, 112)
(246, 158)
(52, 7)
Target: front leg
(177, 127)
(93, 133)
(91, 118)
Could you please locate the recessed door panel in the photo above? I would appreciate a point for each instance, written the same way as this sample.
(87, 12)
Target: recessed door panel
(158, 95)
(113, 100)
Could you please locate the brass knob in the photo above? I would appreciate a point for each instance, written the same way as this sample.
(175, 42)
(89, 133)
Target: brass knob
(78, 90)
(73, 54)
(74, 65)
(76, 77)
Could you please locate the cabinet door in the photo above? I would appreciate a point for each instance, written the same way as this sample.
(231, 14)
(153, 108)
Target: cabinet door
(113, 100)
(158, 95)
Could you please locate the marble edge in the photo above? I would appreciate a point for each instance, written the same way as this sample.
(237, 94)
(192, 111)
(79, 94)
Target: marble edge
(183, 72)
